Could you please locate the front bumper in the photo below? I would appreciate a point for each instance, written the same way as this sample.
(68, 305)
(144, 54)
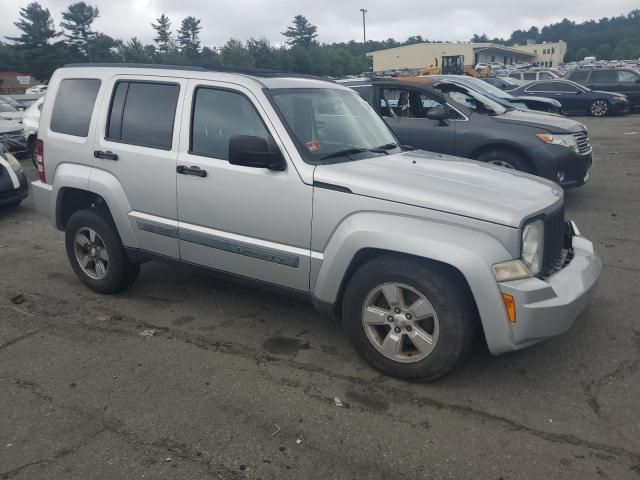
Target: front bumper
(8, 193)
(548, 307)
(552, 159)
(620, 107)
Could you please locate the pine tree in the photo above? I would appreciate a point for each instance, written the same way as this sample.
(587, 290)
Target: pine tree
(302, 33)
(77, 20)
(189, 37)
(163, 33)
(37, 27)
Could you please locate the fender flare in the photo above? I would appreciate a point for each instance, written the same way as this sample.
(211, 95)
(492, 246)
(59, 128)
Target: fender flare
(470, 251)
(101, 183)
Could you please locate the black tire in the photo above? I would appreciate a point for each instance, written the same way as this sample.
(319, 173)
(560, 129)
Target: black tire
(121, 272)
(599, 108)
(447, 292)
(512, 159)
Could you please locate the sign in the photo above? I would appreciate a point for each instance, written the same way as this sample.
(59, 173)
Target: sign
(23, 79)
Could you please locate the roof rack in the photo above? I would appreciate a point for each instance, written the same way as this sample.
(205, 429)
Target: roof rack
(253, 72)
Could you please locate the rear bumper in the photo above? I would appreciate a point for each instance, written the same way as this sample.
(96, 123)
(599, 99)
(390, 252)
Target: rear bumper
(548, 307)
(42, 193)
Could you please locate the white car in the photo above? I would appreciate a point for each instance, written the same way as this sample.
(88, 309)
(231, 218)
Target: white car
(30, 121)
(9, 112)
(37, 89)
(482, 66)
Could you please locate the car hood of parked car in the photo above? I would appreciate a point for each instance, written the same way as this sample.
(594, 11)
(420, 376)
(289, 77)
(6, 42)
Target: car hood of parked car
(445, 183)
(546, 122)
(9, 126)
(547, 101)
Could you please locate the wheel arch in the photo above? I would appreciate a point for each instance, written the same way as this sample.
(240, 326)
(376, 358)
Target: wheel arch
(489, 147)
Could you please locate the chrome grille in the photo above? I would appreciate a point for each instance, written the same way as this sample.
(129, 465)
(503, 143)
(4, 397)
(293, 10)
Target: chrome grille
(583, 141)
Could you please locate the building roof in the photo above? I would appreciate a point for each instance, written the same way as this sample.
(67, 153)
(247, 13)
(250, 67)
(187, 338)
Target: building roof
(476, 46)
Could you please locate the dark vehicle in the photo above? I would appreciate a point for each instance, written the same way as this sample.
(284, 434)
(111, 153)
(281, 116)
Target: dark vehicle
(503, 83)
(506, 99)
(12, 137)
(576, 99)
(13, 183)
(449, 118)
(619, 80)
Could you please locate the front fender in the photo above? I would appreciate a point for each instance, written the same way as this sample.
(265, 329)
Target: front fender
(470, 251)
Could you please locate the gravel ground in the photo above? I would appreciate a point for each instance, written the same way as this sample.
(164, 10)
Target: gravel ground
(188, 376)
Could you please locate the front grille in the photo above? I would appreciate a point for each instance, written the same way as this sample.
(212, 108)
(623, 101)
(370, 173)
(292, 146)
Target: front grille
(554, 235)
(583, 141)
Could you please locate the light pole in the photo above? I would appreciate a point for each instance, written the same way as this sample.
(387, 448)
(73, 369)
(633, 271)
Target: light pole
(364, 25)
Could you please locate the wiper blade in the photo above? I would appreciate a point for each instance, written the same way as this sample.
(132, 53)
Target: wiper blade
(344, 153)
(387, 146)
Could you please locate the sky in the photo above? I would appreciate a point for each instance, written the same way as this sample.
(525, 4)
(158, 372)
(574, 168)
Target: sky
(337, 20)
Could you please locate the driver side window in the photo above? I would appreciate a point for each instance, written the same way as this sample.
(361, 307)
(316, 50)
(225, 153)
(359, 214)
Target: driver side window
(406, 103)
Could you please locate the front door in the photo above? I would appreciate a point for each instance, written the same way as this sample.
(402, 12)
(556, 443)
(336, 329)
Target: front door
(405, 110)
(252, 222)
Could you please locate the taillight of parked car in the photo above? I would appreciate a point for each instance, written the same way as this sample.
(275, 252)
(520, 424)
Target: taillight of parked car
(40, 160)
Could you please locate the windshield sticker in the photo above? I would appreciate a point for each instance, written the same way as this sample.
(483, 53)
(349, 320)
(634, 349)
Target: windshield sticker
(313, 145)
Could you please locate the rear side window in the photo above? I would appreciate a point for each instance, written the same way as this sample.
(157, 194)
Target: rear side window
(625, 76)
(604, 76)
(143, 113)
(579, 76)
(74, 104)
(529, 76)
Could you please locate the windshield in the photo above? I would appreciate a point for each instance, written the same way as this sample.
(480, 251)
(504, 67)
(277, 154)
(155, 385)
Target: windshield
(325, 122)
(5, 107)
(471, 99)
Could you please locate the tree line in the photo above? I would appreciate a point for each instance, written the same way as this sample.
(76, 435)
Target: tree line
(41, 47)
(615, 38)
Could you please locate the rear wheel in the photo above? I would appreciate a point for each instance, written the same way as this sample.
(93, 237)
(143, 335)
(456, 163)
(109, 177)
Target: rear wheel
(507, 159)
(409, 319)
(96, 253)
(599, 108)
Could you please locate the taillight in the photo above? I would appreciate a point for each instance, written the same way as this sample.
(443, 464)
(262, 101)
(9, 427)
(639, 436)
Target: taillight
(40, 160)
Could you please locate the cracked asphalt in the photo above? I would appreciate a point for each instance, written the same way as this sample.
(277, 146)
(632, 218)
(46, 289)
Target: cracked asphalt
(188, 376)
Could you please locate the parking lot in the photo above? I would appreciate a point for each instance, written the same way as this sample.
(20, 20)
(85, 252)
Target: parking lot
(188, 376)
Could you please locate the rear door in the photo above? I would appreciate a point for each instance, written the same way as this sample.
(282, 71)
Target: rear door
(606, 80)
(405, 110)
(137, 143)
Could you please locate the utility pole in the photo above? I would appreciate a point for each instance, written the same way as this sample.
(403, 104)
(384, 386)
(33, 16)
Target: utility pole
(364, 25)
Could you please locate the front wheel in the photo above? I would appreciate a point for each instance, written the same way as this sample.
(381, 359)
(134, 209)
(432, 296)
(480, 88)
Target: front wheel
(599, 108)
(409, 319)
(96, 253)
(507, 159)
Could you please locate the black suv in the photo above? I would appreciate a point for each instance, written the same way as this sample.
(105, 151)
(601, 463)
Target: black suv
(446, 117)
(620, 80)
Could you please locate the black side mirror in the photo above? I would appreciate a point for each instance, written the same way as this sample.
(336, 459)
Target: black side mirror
(438, 113)
(250, 151)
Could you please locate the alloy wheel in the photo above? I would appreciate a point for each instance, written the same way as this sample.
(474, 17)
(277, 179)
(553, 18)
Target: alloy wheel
(400, 322)
(599, 108)
(91, 253)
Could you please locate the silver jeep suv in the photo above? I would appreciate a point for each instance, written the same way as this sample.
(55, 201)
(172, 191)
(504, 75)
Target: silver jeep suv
(296, 182)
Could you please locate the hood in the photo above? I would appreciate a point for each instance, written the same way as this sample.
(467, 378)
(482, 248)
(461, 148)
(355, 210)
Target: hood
(449, 184)
(609, 94)
(7, 126)
(550, 122)
(16, 116)
(548, 101)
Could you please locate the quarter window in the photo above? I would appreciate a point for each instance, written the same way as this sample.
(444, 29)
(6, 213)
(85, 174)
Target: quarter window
(529, 76)
(143, 113)
(219, 115)
(74, 104)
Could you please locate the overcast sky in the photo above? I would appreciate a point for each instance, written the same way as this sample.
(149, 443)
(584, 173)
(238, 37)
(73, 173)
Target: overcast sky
(337, 20)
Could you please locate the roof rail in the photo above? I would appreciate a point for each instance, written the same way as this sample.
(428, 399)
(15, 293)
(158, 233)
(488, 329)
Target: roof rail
(253, 72)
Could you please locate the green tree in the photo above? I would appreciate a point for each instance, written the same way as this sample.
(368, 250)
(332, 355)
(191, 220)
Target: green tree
(163, 33)
(236, 54)
(604, 52)
(302, 33)
(301, 59)
(209, 58)
(263, 53)
(582, 53)
(189, 37)
(77, 21)
(134, 51)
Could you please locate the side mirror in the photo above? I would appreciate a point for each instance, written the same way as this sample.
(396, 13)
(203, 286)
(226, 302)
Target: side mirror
(250, 151)
(438, 113)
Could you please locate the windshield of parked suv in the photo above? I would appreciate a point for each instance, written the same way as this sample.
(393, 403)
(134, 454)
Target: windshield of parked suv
(471, 99)
(332, 125)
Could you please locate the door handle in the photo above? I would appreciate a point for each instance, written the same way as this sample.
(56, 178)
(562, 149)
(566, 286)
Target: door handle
(105, 155)
(195, 171)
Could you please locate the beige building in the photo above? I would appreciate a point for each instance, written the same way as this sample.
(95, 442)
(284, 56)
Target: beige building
(546, 54)
(427, 55)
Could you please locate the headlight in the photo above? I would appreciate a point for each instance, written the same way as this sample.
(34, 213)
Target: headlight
(568, 141)
(533, 246)
(15, 164)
